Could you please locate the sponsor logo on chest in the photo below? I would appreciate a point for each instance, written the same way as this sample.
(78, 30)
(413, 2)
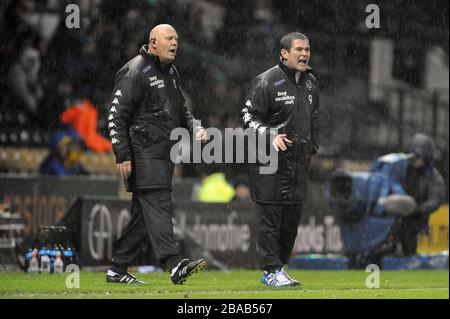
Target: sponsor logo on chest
(154, 81)
(284, 97)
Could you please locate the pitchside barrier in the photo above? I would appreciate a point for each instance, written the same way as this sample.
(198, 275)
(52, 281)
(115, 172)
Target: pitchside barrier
(43, 200)
(225, 234)
(222, 233)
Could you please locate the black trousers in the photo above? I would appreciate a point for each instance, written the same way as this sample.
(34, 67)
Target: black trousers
(150, 218)
(408, 232)
(278, 226)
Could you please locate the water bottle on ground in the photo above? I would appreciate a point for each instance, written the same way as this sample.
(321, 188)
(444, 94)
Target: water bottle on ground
(52, 251)
(28, 256)
(58, 264)
(45, 264)
(69, 255)
(34, 262)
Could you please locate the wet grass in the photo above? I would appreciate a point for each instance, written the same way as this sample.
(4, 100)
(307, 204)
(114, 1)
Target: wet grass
(232, 284)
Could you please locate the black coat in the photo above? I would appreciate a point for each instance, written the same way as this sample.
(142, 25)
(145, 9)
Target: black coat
(146, 104)
(275, 100)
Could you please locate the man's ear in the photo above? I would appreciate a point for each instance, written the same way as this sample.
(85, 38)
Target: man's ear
(284, 53)
(153, 43)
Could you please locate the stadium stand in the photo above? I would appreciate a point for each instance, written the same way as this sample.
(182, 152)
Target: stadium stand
(77, 64)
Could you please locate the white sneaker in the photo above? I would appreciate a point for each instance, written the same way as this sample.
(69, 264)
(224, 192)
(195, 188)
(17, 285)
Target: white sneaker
(295, 282)
(277, 279)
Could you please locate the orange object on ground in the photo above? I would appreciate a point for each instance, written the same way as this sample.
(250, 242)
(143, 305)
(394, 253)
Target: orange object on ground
(83, 117)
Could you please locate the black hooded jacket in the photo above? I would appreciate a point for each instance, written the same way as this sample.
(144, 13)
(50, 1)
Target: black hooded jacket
(276, 101)
(146, 105)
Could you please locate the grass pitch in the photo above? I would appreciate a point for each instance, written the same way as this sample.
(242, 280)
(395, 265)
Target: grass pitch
(232, 284)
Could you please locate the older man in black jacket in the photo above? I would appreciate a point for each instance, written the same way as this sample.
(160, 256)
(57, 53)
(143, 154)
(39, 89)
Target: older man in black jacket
(147, 104)
(283, 102)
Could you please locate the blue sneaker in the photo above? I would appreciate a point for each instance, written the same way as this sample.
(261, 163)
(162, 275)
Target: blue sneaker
(265, 278)
(278, 279)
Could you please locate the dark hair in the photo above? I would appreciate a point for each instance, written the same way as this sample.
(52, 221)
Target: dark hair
(286, 40)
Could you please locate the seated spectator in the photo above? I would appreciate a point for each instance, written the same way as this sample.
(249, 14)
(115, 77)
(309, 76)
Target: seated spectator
(83, 117)
(65, 153)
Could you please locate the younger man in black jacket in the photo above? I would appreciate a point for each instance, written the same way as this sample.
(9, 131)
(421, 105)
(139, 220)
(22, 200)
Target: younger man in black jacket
(283, 102)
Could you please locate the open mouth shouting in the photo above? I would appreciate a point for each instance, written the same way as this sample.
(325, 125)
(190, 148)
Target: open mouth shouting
(303, 61)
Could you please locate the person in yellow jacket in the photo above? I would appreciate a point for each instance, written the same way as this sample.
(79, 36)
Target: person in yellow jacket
(215, 189)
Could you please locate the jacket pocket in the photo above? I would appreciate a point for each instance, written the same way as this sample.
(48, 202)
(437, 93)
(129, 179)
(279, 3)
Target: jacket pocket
(139, 135)
(149, 134)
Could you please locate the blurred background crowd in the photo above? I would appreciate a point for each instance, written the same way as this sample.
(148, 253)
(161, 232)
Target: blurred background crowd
(378, 86)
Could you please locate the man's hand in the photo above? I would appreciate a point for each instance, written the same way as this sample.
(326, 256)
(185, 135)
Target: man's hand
(279, 142)
(124, 169)
(201, 135)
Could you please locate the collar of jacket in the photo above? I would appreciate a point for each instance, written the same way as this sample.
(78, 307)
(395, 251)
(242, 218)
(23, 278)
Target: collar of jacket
(290, 73)
(153, 59)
